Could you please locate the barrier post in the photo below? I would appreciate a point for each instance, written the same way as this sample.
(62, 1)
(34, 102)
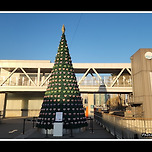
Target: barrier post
(24, 126)
(71, 131)
(91, 125)
(46, 133)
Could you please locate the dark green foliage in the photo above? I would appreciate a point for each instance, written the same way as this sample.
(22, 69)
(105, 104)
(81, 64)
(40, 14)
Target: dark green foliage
(62, 94)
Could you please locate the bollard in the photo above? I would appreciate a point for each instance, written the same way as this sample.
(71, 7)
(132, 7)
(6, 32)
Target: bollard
(34, 120)
(135, 136)
(23, 126)
(91, 125)
(71, 133)
(46, 133)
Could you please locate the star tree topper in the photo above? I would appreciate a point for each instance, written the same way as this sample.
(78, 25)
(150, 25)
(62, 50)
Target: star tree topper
(63, 29)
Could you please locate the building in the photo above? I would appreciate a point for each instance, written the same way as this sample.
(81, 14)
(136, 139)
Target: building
(141, 65)
(23, 83)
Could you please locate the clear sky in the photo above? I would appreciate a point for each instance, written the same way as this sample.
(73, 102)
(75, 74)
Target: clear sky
(91, 37)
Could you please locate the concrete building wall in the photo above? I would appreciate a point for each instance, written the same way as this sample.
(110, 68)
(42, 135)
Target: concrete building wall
(90, 105)
(28, 104)
(23, 104)
(3, 98)
(141, 75)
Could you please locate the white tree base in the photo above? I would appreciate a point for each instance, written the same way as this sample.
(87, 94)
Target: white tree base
(65, 131)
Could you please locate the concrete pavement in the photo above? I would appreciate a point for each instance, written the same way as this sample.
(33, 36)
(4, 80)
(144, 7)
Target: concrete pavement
(98, 133)
(12, 129)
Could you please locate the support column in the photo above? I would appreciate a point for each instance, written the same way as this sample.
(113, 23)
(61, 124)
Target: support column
(3, 99)
(38, 77)
(24, 107)
(91, 105)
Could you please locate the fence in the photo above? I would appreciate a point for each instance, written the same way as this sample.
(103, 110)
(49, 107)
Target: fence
(34, 119)
(123, 81)
(125, 128)
(20, 80)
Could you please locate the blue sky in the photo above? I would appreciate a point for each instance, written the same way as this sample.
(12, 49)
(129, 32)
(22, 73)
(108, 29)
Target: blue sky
(91, 37)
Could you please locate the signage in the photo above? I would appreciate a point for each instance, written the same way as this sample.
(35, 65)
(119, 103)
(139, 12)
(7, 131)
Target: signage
(59, 116)
(148, 55)
(92, 106)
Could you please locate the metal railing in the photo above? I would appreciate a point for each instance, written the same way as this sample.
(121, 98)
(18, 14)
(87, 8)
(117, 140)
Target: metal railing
(125, 128)
(88, 81)
(20, 81)
(33, 120)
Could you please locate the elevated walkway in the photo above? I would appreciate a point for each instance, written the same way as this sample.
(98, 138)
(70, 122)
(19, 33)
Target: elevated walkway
(33, 76)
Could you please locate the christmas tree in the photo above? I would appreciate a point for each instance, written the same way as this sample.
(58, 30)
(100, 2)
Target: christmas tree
(62, 94)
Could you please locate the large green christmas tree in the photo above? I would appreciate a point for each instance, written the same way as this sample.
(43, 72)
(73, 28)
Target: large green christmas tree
(62, 94)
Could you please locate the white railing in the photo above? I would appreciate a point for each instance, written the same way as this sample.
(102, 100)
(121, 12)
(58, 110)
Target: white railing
(22, 81)
(88, 81)
(107, 81)
(122, 127)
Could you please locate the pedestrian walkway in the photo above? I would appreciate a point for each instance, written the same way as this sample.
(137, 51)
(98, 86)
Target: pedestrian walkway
(98, 133)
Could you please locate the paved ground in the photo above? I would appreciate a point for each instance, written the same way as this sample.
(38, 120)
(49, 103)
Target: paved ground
(13, 128)
(98, 133)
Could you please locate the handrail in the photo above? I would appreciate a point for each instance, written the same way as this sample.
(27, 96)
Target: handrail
(27, 119)
(107, 81)
(123, 127)
(127, 118)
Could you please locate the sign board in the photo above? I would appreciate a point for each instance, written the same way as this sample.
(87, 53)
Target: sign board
(148, 55)
(92, 106)
(59, 116)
